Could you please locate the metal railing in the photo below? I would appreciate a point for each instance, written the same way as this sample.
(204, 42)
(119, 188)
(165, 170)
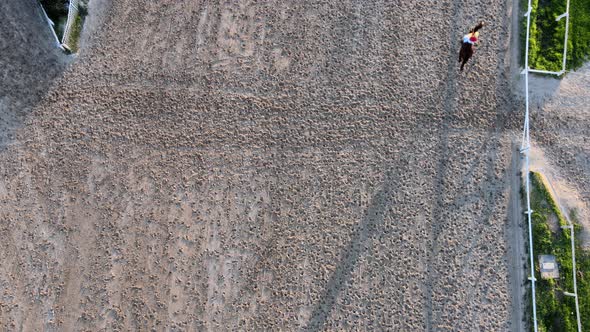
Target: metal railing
(72, 15)
(525, 148)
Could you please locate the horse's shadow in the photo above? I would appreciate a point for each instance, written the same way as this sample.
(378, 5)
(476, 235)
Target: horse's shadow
(470, 67)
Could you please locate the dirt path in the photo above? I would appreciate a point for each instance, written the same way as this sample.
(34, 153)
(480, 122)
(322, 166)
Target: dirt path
(266, 166)
(515, 231)
(516, 243)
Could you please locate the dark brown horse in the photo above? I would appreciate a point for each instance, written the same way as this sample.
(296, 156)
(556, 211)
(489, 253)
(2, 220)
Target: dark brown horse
(467, 49)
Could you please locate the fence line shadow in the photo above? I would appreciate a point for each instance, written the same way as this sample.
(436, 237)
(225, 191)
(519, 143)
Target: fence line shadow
(367, 226)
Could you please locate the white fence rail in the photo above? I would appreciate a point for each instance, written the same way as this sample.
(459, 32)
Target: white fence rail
(72, 16)
(525, 148)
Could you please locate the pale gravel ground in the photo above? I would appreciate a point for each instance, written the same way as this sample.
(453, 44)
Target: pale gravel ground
(267, 165)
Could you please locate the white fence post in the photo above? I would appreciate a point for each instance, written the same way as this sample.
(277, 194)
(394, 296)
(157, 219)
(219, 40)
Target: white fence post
(567, 23)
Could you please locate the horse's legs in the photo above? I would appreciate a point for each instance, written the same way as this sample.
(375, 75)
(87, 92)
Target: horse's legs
(464, 53)
(468, 54)
(463, 64)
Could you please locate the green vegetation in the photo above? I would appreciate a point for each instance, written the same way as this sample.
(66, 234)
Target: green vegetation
(57, 10)
(547, 35)
(75, 34)
(555, 311)
(579, 32)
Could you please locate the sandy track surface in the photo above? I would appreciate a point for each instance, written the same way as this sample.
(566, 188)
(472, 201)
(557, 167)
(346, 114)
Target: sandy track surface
(265, 165)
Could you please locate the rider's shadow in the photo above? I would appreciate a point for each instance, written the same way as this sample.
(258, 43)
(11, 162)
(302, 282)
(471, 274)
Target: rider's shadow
(471, 66)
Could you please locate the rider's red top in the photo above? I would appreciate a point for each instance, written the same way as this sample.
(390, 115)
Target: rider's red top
(471, 38)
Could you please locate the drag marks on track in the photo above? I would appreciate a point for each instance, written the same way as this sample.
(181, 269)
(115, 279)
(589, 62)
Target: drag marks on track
(439, 185)
(469, 200)
(204, 37)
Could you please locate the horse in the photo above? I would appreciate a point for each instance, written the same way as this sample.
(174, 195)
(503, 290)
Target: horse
(467, 47)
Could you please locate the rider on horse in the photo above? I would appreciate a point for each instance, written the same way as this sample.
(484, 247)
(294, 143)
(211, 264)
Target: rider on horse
(471, 38)
(469, 42)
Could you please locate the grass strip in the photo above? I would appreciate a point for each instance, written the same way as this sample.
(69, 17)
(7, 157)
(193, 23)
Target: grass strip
(547, 35)
(555, 311)
(75, 34)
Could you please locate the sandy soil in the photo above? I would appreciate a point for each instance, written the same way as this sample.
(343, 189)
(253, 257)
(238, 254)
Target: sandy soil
(265, 165)
(561, 135)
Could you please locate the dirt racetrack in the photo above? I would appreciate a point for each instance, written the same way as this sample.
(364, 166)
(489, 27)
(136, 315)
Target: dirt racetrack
(262, 165)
